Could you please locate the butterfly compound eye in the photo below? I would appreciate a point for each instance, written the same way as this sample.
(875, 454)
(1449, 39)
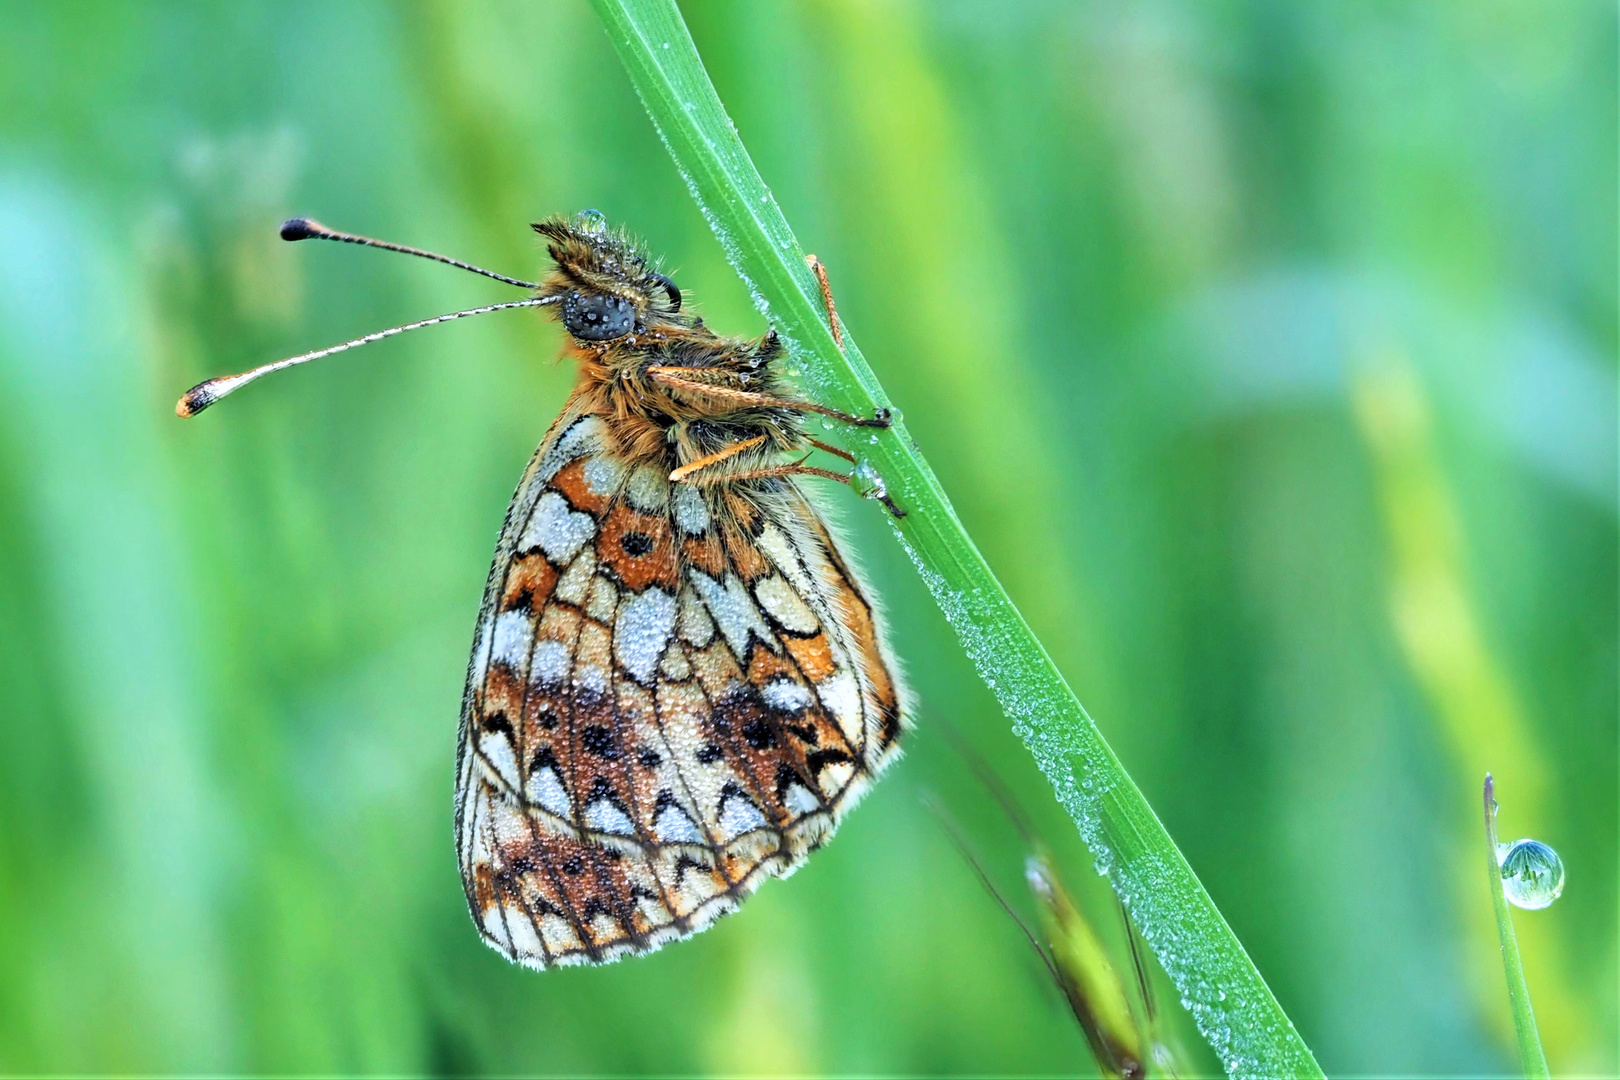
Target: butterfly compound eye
(597, 317)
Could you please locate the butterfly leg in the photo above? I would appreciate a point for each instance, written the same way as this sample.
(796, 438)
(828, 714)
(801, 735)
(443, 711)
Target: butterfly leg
(826, 298)
(831, 449)
(680, 474)
(688, 474)
(820, 270)
(689, 381)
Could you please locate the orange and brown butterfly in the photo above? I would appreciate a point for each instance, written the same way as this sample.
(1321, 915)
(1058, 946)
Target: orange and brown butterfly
(678, 683)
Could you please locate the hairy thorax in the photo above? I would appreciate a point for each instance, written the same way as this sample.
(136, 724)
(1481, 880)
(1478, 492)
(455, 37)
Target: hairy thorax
(650, 421)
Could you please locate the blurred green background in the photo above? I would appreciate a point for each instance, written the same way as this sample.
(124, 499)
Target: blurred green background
(1267, 349)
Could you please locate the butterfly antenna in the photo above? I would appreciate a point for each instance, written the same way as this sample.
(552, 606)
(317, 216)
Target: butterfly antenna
(299, 228)
(205, 393)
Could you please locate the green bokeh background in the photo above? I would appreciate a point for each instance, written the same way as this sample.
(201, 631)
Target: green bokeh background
(1268, 350)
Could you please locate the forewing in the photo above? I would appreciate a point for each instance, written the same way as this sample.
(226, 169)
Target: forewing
(668, 700)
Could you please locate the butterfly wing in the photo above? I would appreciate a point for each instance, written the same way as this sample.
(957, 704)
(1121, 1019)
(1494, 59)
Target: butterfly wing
(670, 698)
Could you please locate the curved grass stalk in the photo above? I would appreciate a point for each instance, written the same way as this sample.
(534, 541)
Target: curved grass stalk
(1531, 1056)
(1230, 1002)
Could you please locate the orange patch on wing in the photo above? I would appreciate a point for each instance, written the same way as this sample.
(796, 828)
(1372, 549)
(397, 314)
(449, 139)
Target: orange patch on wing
(639, 548)
(483, 889)
(528, 583)
(544, 709)
(764, 666)
(813, 655)
(705, 553)
(570, 480)
(858, 617)
(503, 693)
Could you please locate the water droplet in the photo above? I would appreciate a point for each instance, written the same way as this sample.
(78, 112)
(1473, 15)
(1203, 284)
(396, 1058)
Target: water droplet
(591, 221)
(865, 481)
(1532, 873)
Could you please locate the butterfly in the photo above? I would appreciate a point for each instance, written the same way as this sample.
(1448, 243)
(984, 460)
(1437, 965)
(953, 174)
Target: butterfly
(678, 684)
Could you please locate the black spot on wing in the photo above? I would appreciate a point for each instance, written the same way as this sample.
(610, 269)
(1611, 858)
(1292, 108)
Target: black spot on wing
(786, 777)
(823, 758)
(598, 740)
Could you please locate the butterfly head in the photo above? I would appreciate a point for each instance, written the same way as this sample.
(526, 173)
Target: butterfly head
(604, 288)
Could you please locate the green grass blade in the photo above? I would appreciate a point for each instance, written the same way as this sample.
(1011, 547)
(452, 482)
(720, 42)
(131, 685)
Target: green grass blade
(1531, 1055)
(1230, 1002)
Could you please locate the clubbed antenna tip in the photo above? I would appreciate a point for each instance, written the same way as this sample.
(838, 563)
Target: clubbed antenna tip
(299, 228)
(196, 399)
